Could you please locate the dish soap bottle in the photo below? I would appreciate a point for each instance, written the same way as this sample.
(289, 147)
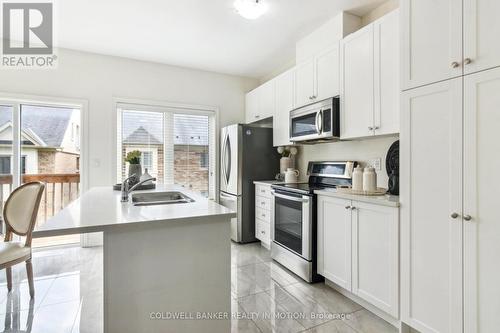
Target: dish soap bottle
(145, 176)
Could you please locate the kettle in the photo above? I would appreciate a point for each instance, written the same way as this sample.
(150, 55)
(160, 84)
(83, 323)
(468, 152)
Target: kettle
(291, 175)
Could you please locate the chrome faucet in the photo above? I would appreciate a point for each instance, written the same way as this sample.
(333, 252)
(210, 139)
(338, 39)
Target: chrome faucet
(125, 186)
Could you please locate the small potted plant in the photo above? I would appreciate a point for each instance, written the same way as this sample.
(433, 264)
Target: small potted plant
(287, 156)
(134, 160)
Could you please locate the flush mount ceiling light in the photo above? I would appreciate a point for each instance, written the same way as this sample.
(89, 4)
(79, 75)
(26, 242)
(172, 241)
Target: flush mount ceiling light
(250, 9)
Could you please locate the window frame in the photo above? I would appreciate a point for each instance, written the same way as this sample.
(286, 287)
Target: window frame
(171, 107)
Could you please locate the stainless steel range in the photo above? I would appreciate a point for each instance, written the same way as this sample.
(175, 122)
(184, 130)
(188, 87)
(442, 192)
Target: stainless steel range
(293, 224)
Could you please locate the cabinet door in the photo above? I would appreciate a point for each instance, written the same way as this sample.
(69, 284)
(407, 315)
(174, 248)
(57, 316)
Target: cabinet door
(431, 184)
(481, 31)
(266, 100)
(387, 74)
(328, 73)
(357, 84)
(482, 231)
(334, 240)
(284, 104)
(304, 84)
(432, 41)
(251, 106)
(375, 257)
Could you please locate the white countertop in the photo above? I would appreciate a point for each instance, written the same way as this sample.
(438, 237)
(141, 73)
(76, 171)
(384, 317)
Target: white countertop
(100, 209)
(385, 200)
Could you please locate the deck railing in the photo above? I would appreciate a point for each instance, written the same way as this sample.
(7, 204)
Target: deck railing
(60, 190)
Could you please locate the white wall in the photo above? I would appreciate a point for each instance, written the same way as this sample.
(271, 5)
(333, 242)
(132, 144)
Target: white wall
(360, 151)
(98, 79)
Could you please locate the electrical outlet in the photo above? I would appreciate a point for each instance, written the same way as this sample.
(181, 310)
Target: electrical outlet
(375, 163)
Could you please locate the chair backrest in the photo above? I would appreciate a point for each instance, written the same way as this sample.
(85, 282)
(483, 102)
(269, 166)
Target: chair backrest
(21, 210)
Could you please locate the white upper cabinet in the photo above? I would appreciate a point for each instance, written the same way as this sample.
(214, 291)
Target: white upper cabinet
(285, 87)
(304, 83)
(431, 233)
(432, 41)
(371, 74)
(357, 98)
(328, 73)
(481, 31)
(251, 106)
(318, 78)
(387, 74)
(260, 102)
(481, 230)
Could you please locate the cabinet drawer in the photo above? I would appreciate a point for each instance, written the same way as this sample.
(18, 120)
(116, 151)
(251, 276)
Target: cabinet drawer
(263, 191)
(262, 214)
(263, 202)
(262, 231)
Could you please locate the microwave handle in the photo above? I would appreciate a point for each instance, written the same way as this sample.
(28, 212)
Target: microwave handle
(319, 121)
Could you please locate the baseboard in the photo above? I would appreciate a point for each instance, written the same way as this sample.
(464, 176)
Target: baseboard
(373, 309)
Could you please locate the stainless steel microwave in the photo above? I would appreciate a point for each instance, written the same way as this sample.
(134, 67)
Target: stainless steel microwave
(316, 122)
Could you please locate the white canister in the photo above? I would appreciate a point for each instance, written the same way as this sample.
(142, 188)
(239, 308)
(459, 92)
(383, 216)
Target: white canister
(291, 175)
(357, 179)
(369, 180)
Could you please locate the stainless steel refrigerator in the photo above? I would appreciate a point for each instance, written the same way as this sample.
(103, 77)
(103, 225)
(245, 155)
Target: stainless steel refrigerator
(247, 154)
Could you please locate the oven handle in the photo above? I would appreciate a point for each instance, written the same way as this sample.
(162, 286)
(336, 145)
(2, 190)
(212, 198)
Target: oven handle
(289, 198)
(319, 121)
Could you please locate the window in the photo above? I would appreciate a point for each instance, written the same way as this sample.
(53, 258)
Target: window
(147, 160)
(49, 142)
(6, 166)
(177, 146)
(204, 160)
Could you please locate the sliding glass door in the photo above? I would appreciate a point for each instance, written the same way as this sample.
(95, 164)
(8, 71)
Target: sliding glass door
(177, 146)
(41, 142)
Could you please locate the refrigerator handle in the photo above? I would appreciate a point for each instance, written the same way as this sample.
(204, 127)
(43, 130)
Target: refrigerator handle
(223, 159)
(228, 163)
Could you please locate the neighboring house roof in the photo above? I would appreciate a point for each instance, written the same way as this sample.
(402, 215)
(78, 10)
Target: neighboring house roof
(141, 136)
(140, 127)
(45, 125)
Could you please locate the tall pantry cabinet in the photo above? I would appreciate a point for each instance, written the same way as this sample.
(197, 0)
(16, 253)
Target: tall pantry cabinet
(450, 139)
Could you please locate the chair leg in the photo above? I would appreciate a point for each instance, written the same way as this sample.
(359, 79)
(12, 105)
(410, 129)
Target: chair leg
(29, 272)
(8, 273)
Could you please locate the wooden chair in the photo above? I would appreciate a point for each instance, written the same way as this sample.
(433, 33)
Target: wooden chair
(20, 214)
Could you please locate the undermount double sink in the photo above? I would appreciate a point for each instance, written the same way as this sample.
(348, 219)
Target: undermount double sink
(160, 198)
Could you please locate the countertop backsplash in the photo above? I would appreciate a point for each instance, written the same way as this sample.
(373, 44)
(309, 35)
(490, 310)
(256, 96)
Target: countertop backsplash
(361, 151)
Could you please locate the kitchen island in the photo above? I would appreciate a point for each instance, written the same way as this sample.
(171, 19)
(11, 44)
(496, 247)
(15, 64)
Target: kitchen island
(165, 267)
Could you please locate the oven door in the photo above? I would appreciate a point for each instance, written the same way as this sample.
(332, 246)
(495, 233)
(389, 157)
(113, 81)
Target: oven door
(291, 223)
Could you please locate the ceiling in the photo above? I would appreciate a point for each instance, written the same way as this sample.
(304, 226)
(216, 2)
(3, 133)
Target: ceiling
(202, 34)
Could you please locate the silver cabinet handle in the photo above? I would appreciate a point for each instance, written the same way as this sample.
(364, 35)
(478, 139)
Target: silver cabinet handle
(454, 215)
(455, 64)
(370, 128)
(467, 217)
(376, 127)
(353, 208)
(347, 207)
(257, 116)
(467, 61)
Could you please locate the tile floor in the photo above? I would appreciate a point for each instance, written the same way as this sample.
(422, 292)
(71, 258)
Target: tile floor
(265, 297)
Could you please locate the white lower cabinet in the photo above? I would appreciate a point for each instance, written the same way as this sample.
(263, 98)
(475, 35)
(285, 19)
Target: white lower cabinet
(358, 249)
(263, 213)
